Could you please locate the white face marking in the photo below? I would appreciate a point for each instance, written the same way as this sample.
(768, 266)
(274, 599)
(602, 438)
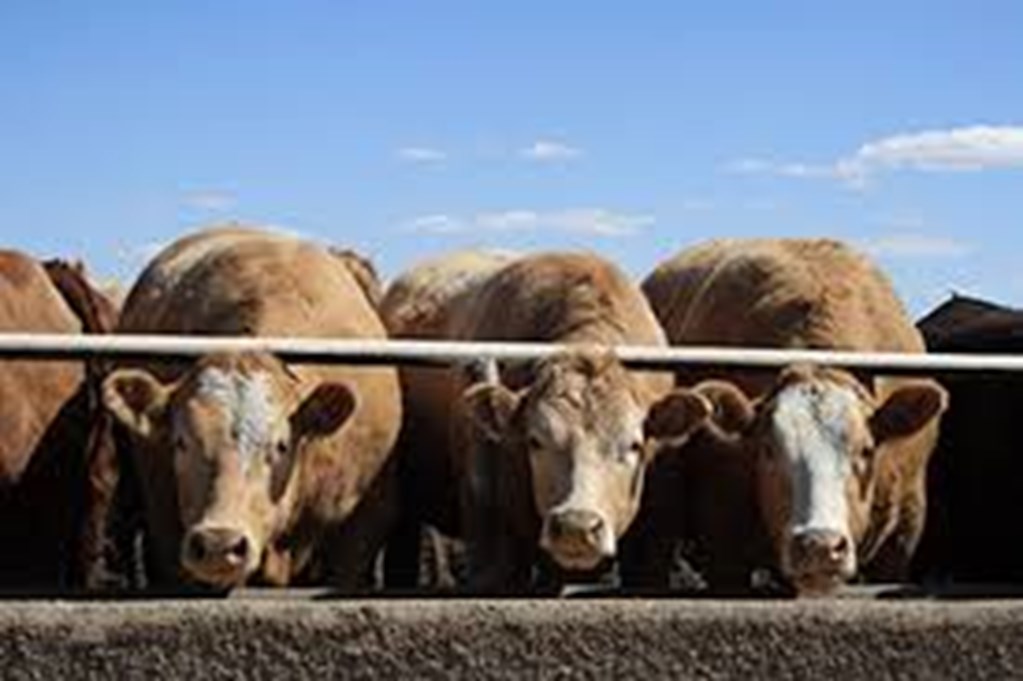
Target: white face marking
(248, 408)
(811, 427)
(600, 471)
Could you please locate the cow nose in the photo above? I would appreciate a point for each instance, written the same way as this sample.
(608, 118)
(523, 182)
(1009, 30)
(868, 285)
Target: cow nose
(217, 544)
(573, 524)
(822, 548)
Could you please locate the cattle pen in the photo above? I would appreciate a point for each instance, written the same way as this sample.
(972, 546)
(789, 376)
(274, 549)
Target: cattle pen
(860, 633)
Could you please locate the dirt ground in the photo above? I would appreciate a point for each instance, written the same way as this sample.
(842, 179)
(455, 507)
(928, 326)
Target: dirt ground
(315, 638)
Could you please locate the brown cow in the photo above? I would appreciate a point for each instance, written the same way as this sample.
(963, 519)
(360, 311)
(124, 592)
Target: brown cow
(46, 410)
(252, 469)
(834, 463)
(550, 460)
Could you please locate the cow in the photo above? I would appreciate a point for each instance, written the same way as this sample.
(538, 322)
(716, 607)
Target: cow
(975, 477)
(252, 470)
(48, 463)
(538, 466)
(812, 472)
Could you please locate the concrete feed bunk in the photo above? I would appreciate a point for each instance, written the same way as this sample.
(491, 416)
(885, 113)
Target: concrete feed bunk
(281, 638)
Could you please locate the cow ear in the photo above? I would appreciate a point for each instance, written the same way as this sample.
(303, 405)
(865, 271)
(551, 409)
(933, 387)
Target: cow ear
(490, 407)
(908, 409)
(136, 398)
(324, 410)
(676, 415)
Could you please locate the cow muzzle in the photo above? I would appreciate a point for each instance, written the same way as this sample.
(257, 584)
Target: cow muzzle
(218, 556)
(577, 539)
(820, 560)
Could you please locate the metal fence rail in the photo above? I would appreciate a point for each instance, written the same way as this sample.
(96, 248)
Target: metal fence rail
(441, 353)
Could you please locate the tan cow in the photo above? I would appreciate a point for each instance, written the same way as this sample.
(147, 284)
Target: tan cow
(253, 469)
(46, 409)
(550, 460)
(835, 462)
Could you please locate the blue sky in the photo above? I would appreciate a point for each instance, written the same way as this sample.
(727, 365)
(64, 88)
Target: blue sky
(411, 128)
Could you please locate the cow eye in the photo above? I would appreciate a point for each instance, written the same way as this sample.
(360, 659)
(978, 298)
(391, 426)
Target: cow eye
(533, 443)
(281, 447)
(632, 454)
(179, 443)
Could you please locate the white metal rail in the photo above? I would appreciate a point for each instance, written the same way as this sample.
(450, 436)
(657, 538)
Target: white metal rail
(441, 353)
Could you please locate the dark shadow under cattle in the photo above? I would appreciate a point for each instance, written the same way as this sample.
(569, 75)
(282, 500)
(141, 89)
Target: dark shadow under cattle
(975, 477)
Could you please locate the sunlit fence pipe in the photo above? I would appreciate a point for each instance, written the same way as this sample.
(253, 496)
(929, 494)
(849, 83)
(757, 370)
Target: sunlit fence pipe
(29, 346)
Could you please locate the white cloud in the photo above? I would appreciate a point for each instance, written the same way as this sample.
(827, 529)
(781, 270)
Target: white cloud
(955, 149)
(915, 245)
(852, 174)
(593, 221)
(435, 224)
(599, 221)
(211, 201)
(421, 155)
(971, 148)
(508, 221)
(550, 151)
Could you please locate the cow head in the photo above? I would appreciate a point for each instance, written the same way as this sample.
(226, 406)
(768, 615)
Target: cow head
(588, 431)
(234, 427)
(816, 438)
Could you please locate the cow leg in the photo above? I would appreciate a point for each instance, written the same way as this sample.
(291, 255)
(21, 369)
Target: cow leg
(891, 562)
(499, 564)
(353, 546)
(499, 561)
(402, 554)
(646, 560)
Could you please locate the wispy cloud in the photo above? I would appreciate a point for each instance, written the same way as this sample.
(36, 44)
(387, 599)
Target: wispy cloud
(915, 245)
(210, 201)
(435, 224)
(849, 173)
(550, 151)
(971, 148)
(599, 221)
(421, 155)
(592, 221)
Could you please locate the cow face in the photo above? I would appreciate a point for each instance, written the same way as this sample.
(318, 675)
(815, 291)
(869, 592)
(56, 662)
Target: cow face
(817, 438)
(588, 436)
(234, 428)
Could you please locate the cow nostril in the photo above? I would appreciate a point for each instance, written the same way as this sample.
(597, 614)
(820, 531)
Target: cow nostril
(561, 525)
(575, 523)
(239, 549)
(196, 547)
(820, 547)
(840, 548)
